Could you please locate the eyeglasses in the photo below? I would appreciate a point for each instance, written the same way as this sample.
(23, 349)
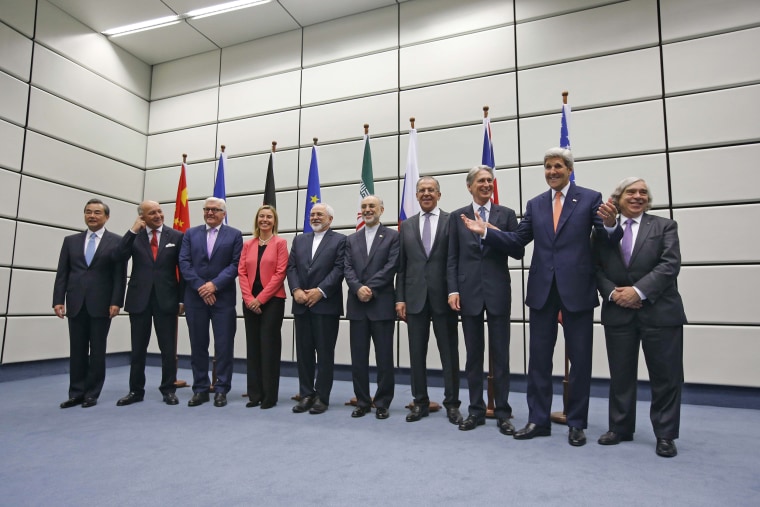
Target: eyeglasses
(212, 210)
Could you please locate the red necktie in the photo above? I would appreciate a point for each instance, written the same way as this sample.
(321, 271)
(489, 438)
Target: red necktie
(557, 208)
(154, 244)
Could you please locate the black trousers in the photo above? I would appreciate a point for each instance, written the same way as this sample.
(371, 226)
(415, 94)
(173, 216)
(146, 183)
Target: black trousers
(447, 338)
(663, 352)
(381, 333)
(165, 325)
(263, 339)
(316, 336)
(498, 347)
(87, 354)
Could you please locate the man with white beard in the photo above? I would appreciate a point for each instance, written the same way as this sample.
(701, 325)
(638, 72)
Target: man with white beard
(315, 278)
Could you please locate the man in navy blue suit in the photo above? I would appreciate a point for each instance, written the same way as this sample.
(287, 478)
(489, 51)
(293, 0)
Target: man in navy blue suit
(479, 284)
(562, 278)
(154, 296)
(208, 261)
(315, 278)
(90, 282)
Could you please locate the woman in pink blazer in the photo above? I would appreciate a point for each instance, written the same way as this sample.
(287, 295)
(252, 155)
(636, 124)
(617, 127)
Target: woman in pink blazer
(262, 276)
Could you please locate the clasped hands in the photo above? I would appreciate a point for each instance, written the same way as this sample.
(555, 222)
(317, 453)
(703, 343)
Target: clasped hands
(207, 292)
(364, 294)
(626, 297)
(307, 297)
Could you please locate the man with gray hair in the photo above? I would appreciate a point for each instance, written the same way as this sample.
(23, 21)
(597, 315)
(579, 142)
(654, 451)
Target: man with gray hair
(637, 279)
(421, 298)
(208, 261)
(478, 284)
(315, 278)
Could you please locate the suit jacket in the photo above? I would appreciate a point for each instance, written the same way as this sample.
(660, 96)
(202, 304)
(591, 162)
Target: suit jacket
(221, 268)
(273, 264)
(653, 269)
(99, 285)
(564, 256)
(375, 270)
(148, 273)
(324, 270)
(421, 278)
(481, 276)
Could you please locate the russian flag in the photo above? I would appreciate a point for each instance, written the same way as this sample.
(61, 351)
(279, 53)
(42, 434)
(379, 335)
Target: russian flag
(409, 204)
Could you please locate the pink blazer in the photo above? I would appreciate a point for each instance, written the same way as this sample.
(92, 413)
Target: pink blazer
(273, 268)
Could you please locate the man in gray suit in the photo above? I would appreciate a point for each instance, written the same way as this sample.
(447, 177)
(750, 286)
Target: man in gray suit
(479, 283)
(370, 266)
(315, 278)
(421, 295)
(637, 279)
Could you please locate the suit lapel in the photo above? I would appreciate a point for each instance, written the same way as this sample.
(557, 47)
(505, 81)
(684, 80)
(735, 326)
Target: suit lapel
(379, 237)
(571, 201)
(645, 228)
(414, 225)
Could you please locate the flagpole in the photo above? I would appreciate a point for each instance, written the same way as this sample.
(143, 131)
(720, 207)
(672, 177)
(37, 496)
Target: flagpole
(178, 382)
(212, 387)
(561, 417)
(491, 404)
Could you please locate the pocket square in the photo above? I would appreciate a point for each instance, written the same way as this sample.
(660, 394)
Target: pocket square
(169, 245)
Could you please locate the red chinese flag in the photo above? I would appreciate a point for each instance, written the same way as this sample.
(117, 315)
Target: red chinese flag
(181, 209)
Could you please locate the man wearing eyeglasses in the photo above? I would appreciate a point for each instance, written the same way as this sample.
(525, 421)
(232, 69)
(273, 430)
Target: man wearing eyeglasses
(208, 261)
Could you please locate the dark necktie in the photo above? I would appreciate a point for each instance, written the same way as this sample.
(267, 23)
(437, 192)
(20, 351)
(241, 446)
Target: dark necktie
(426, 241)
(154, 244)
(482, 217)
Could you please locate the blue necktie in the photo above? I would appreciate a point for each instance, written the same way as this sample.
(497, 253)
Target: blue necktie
(89, 252)
(482, 217)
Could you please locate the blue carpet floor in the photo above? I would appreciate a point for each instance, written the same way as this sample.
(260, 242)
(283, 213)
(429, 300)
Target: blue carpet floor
(150, 454)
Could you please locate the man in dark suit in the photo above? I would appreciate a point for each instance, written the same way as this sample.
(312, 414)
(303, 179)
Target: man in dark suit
(89, 289)
(208, 261)
(559, 222)
(370, 264)
(315, 278)
(479, 284)
(421, 297)
(637, 279)
(153, 298)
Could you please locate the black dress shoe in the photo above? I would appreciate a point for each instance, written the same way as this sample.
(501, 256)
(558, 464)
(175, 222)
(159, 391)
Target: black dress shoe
(198, 399)
(666, 448)
(130, 398)
(319, 407)
(171, 399)
(417, 413)
(71, 402)
(267, 404)
(505, 426)
(304, 405)
(252, 404)
(576, 437)
(614, 438)
(220, 399)
(531, 430)
(454, 415)
(471, 423)
(89, 402)
(381, 413)
(361, 411)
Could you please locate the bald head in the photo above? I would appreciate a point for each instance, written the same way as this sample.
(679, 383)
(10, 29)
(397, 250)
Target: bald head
(151, 213)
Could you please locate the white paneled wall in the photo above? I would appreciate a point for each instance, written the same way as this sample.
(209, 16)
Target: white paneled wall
(79, 117)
